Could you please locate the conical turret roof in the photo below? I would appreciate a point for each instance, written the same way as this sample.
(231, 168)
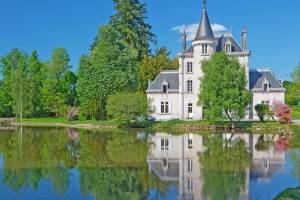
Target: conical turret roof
(204, 31)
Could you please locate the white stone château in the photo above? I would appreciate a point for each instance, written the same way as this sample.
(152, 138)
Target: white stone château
(174, 94)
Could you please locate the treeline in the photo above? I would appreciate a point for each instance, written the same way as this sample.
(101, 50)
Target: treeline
(293, 87)
(32, 88)
(120, 61)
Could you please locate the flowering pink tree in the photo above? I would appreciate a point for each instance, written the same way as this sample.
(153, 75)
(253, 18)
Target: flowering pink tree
(282, 112)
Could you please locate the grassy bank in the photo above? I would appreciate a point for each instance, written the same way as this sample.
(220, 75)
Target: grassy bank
(172, 125)
(253, 126)
(62, 122)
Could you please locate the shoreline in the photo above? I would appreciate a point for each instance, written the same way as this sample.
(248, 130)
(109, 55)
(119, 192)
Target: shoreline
(174, 126)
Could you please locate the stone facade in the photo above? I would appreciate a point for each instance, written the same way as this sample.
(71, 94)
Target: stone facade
(175, 94)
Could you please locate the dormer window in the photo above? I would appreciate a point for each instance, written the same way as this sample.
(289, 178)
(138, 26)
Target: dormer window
(204, 49)
(228, 48)
(266, 87)
(165, 88)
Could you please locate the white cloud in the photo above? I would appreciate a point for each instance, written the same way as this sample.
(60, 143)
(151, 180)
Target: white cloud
(191, 29)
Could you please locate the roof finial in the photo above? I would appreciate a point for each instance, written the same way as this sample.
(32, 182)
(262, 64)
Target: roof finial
(204, 4)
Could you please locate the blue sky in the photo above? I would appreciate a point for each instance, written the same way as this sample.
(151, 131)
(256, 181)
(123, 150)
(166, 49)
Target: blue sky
(273, 26)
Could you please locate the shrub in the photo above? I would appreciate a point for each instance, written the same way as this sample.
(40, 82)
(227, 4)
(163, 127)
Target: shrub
(262, 110)
(127, 106)
(282, 112)
(73, 114)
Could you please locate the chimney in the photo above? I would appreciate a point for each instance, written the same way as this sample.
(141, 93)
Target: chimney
(184, 41)
(244, 39)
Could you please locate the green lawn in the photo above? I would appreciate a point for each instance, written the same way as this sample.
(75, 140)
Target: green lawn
(295, 112)
(64, 121)
(174, 125)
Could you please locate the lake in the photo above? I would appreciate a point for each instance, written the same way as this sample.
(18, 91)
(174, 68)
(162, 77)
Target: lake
(70, 164)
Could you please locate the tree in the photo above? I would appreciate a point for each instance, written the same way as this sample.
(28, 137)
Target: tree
(292, 95)
(86, 87)
(262, 110)
(224, 177)
(127, 106)
(152, 65)
(15, 82)
(223, 91)
(56, 87)
(282, 112)
(114, 68)
(296, 74)
(130, 26)
(71, 84)
(36, 77)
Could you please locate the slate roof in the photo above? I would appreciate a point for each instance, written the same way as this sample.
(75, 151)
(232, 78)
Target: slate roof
(234, 45)
(171, 174)
(204, 30)
(236, 48)
(258, 171)
(258, 77)
(171, 77)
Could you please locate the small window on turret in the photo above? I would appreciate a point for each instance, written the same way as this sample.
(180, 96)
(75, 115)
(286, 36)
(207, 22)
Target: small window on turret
(204, 49)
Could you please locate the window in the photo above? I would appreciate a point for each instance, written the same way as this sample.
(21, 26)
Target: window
(164, 108)
(228, 48)
(165, 163)
(190, 141)
(189, 67)
(204, 49)
(190, 86)
(266, 87)
(164, 88)
(190, 108)
(164, 144)
(190, 165)
(190, 184)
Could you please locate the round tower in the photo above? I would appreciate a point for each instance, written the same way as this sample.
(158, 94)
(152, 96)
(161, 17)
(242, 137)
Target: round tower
(205, 43)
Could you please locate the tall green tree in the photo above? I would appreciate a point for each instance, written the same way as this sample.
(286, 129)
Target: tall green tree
(87, 88)
(111, 68)
(16, 82)
(56, 87)
(36, 77)
(152, 65)
(130, 26)
(223, 91)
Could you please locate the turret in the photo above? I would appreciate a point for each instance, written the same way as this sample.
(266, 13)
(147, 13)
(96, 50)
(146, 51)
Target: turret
(204, 44)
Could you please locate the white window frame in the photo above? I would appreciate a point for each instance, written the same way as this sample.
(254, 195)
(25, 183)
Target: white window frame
(204, 49)
(190, 141)
(190, 184)
(190, 165)
(164, 107)
(228, 48)
(189, 68)
(190, 86)
(165, 144)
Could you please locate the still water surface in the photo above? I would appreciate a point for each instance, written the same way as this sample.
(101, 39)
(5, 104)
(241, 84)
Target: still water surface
(69, 164)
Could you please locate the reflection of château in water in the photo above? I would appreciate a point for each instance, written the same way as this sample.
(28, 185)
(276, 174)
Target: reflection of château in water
(176, 159)
(268, 160)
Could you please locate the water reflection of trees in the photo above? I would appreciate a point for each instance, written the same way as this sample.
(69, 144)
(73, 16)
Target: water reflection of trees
(111, 165)
(224, 165)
